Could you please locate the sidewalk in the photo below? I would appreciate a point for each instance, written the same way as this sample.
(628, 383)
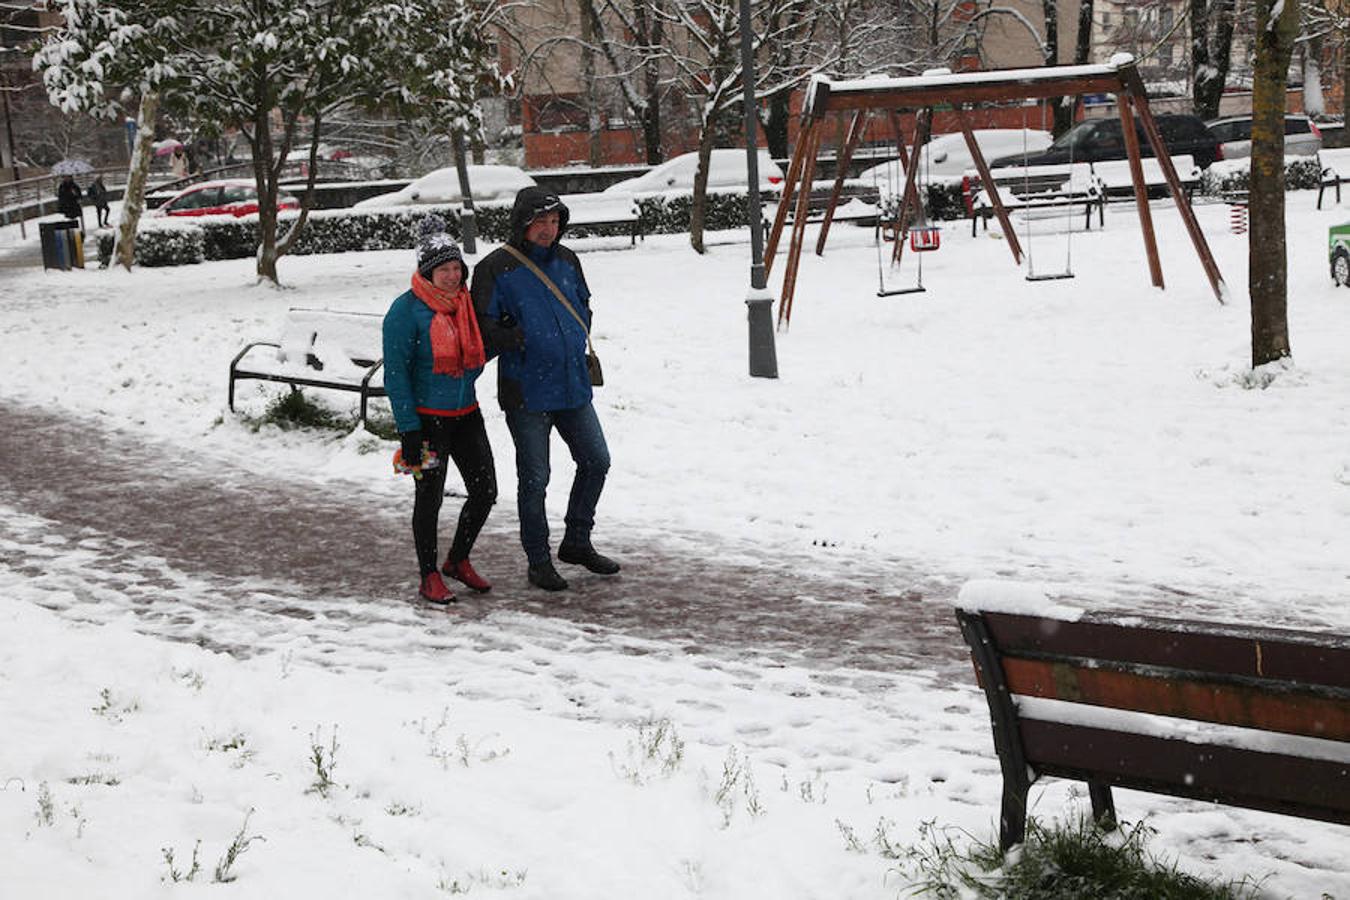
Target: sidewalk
(275, 551)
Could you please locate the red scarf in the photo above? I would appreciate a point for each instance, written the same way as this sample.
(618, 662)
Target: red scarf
(456, 343)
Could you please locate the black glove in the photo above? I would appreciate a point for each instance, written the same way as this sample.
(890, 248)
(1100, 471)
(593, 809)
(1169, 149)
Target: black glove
(509, 335)
(412, 447)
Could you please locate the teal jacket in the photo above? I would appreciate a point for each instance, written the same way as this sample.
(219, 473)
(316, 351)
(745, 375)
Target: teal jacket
(411, 385)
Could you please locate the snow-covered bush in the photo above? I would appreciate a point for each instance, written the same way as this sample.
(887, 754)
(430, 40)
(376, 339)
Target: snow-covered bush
(1234, 175)
(179, 246)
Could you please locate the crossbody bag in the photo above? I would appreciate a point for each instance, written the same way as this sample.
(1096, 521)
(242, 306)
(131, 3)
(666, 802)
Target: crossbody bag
(593, 369)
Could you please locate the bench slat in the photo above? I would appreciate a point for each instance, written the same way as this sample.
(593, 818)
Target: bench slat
(1278, 654)
(1166, 694)
(1292, 785)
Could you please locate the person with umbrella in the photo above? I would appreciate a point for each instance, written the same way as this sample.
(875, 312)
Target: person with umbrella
(68, 200)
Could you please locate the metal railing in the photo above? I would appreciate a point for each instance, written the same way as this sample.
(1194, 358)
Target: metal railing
(32, 198)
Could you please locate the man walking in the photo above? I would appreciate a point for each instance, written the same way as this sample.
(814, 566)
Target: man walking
(533, 309)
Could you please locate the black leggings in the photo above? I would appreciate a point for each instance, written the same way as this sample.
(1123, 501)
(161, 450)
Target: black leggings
(463, 440)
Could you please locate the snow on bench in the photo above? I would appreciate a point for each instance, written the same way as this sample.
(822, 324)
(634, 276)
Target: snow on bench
(596, 210)
(324, 348)
(1115, 174)
(1246, 716)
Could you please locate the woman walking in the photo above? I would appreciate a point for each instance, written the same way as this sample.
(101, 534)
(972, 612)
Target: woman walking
(433, 354)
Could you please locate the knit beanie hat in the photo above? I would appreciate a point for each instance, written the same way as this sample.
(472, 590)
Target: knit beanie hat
(435, 247)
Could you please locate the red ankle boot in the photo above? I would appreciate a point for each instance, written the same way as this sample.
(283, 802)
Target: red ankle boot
(464, 573)
(433, 589)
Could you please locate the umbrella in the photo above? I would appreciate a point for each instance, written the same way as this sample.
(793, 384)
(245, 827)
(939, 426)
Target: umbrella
(166, 146)
(72, 167)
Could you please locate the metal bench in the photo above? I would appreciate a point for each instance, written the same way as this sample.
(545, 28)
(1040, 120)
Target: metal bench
(342, 351)
(1117, 183)
(1245, 716)
(598, 210)
(1333, 166)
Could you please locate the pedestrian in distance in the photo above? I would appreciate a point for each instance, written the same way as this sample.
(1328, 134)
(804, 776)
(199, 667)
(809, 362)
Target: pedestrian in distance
(433, 354)
(533, 307)
(98, 195)
(68, 195)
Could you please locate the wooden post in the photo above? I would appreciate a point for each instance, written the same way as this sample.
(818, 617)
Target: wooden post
(1169, 171)
(799, 226)
(1123, 100)
(987, 182)
(794, 169)
(910, 198)
(855, 133)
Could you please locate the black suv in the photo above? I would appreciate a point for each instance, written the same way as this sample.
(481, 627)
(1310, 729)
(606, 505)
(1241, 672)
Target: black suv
(1095, 140)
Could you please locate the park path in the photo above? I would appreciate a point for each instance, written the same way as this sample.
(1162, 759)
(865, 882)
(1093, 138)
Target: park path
(200, 550)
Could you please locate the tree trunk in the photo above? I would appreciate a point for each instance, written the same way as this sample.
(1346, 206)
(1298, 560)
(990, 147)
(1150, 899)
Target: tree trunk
(595, 151)
(134, 200)
(776, 128)
(1314, 104)
(651, 82)
(698, 212)
(1082, 45)
(1267, 267)
(266, 181)
(1211, 26)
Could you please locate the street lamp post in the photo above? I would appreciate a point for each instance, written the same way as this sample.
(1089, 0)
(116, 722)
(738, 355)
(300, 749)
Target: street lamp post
(763, 356)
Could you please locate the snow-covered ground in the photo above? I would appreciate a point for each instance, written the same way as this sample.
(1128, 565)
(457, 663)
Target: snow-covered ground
(1095, 435)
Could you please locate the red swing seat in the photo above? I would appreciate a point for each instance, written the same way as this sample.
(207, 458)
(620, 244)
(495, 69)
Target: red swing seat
(921, 240)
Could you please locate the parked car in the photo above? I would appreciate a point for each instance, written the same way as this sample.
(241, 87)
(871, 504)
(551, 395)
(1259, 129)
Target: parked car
(1096, 140)
(946, 155)
(488, 182)
(1302, 137)
(726, 169)
(1338, 253)
(236, 197)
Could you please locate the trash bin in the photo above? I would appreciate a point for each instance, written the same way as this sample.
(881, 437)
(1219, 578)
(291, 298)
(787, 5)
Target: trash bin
(62, 244)
(53, 241)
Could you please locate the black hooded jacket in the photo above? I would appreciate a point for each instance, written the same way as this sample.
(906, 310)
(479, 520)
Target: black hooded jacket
(541, 347)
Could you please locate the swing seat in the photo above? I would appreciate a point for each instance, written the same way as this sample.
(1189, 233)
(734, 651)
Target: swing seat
(921, 240)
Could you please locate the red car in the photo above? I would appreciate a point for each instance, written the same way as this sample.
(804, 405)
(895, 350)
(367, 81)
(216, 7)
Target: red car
(221, 198)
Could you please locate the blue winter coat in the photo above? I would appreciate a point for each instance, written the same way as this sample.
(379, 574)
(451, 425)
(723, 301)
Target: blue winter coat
(542, 363)
(408, 378)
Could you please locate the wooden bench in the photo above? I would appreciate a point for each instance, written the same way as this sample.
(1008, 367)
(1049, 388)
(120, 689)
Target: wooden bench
(1032, 189)
(342, 351)
(1333, 166)
(1245, 716)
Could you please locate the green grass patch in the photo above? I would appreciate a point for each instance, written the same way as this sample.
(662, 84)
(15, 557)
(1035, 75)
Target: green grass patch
(293, 410)
(1066, 860)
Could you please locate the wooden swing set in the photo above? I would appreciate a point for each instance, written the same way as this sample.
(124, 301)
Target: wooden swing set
(959, 92)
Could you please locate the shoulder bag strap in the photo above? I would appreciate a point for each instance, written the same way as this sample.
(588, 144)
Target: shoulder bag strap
(548, 282)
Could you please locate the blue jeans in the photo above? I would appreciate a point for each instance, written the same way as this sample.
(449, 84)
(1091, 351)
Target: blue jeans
(580, 431)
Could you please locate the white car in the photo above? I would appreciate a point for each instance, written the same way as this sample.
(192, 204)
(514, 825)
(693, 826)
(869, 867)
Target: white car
(442, 186)
(726, 169)
(947, 156)
(1302, 137)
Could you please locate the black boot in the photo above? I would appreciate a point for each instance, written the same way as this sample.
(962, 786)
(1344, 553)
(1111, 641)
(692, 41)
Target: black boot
(585, 555)
(546, 577)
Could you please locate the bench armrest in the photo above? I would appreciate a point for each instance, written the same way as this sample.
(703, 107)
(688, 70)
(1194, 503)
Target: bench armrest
(247, 347)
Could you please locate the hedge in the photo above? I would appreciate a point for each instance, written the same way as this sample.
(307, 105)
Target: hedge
(178, 242)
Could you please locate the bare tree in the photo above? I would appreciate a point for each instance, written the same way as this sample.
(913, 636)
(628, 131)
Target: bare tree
(1212, 23)
(1277, 27)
